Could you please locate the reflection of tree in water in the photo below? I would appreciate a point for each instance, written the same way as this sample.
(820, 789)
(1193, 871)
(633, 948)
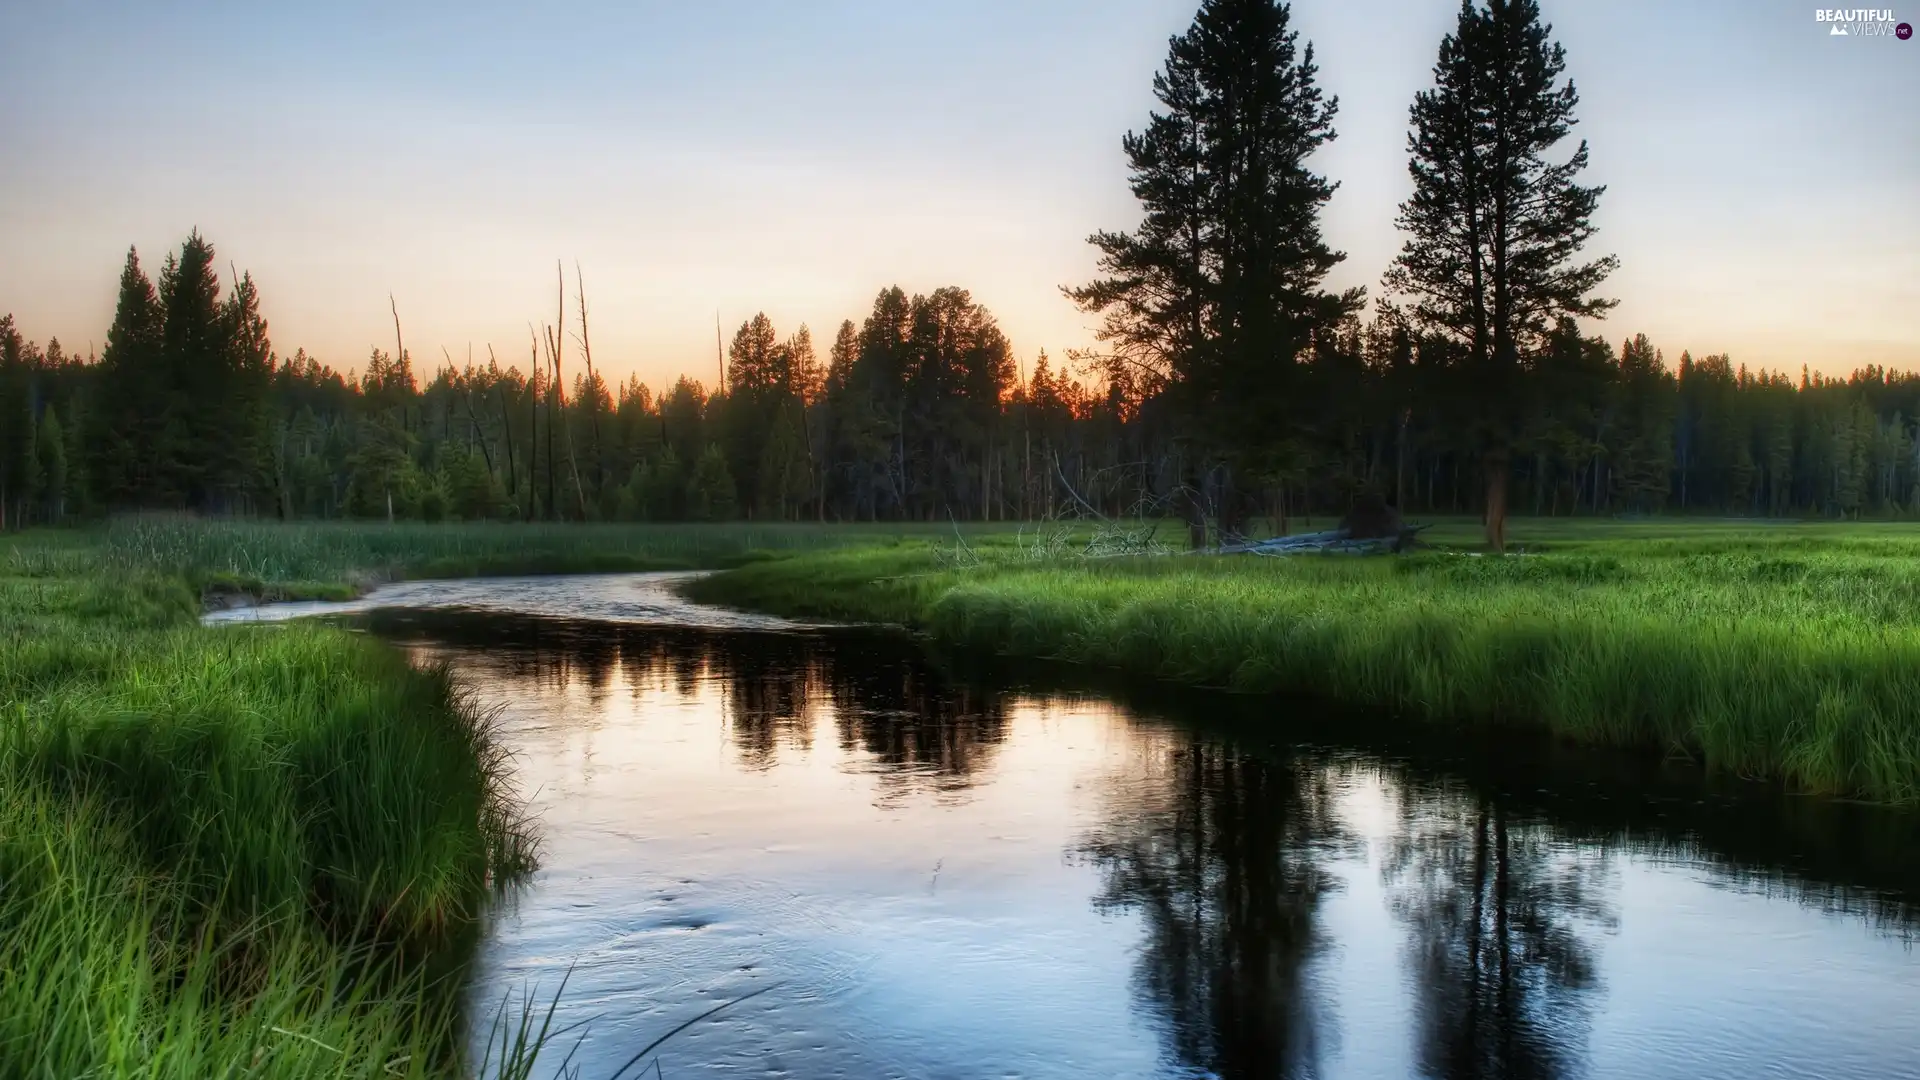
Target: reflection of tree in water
(769, 689)
(1500, 915)
(911, 720)
(1224, 857)
(886, 699)
(514, 652)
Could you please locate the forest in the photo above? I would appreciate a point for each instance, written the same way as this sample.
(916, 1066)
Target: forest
(917, 412)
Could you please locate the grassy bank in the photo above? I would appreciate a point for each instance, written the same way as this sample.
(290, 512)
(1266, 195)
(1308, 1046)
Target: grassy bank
(259, 851)
(1784, 651)
(253, 852)
(334, 560)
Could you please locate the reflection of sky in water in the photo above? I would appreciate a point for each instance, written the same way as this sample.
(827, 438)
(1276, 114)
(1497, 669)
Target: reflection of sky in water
(949, 881)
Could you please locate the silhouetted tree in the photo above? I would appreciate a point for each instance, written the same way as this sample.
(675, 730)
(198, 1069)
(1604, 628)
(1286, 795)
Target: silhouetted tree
(1218, 294)
(1494, 229)
(1225, 858)
(1499, 919)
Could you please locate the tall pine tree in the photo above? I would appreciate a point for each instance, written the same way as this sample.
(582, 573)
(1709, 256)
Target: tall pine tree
(194, 355)
(241, 431)
(1494, 230)
(50, 454)
(126, 423)
(1218, 293)
(16, 424)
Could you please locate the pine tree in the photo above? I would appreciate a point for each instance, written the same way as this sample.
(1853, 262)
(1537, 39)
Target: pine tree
(33, 472)
(78, 494)
(1218, 293)
(16, 410)
(1155, 300)
(194, 357)
(660, 488)
(472, 491)
(1493, 228)
(837, 432)
(51, 457)
(758, 382)
(133, 395)
(711, 495)
(240, 432)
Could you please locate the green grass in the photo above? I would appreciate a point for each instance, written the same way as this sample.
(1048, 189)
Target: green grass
(1769, 650)
(253, 851)
(259, 851)
(262, 850)
(333, 560)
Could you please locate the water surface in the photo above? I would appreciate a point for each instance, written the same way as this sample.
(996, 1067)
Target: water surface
(950, 868)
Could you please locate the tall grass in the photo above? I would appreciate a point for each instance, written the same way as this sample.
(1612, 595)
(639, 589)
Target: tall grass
(329, 558)
(238, 852)
(1791, 653)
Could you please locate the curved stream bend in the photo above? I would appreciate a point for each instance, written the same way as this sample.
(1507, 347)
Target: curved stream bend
(942, 874)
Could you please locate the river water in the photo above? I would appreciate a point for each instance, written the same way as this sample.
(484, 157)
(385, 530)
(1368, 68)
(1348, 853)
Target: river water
(926, 866)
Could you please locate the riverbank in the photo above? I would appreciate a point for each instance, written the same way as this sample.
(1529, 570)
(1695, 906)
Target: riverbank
(229, 852)
(231, 562)
(1789, 652)
(259, 851)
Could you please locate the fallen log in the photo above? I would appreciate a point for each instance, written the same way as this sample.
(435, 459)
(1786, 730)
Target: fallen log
(1332, 541)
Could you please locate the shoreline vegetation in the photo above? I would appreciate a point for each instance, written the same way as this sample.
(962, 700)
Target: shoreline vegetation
(264, 850)
(1788, 653)
(228, 562)
(258, 854)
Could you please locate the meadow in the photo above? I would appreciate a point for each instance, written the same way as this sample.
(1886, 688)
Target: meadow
(1785, 652)
(331, 560)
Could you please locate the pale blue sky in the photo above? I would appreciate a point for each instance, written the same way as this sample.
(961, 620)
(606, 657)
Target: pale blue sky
(796, 157)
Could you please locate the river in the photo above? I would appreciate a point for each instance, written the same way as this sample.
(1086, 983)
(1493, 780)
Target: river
(930, 866)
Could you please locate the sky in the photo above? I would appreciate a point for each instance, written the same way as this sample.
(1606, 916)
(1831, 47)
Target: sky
(1763, 176)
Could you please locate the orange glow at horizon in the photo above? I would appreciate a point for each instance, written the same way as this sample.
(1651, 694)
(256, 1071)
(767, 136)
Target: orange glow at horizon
(800, 159)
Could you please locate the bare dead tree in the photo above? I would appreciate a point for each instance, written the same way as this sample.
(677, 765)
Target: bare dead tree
(556, 344)
(506, 424)
(586, 350)
(399, 356)
(534, 395)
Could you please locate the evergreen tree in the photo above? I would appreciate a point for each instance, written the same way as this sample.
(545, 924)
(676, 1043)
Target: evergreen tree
(879, 404)
(194, 358)
(127, 424)
(78, 500)
(683, 425)
(838, 479)
(659, 488)
(16, 436)
(711, 495)
(1218, 292)
(240, 430)
(758, 381)
(782, 472)
(51, 458)
(32, 496)
(1494, 229)
(472, 491)
(1155, 299)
